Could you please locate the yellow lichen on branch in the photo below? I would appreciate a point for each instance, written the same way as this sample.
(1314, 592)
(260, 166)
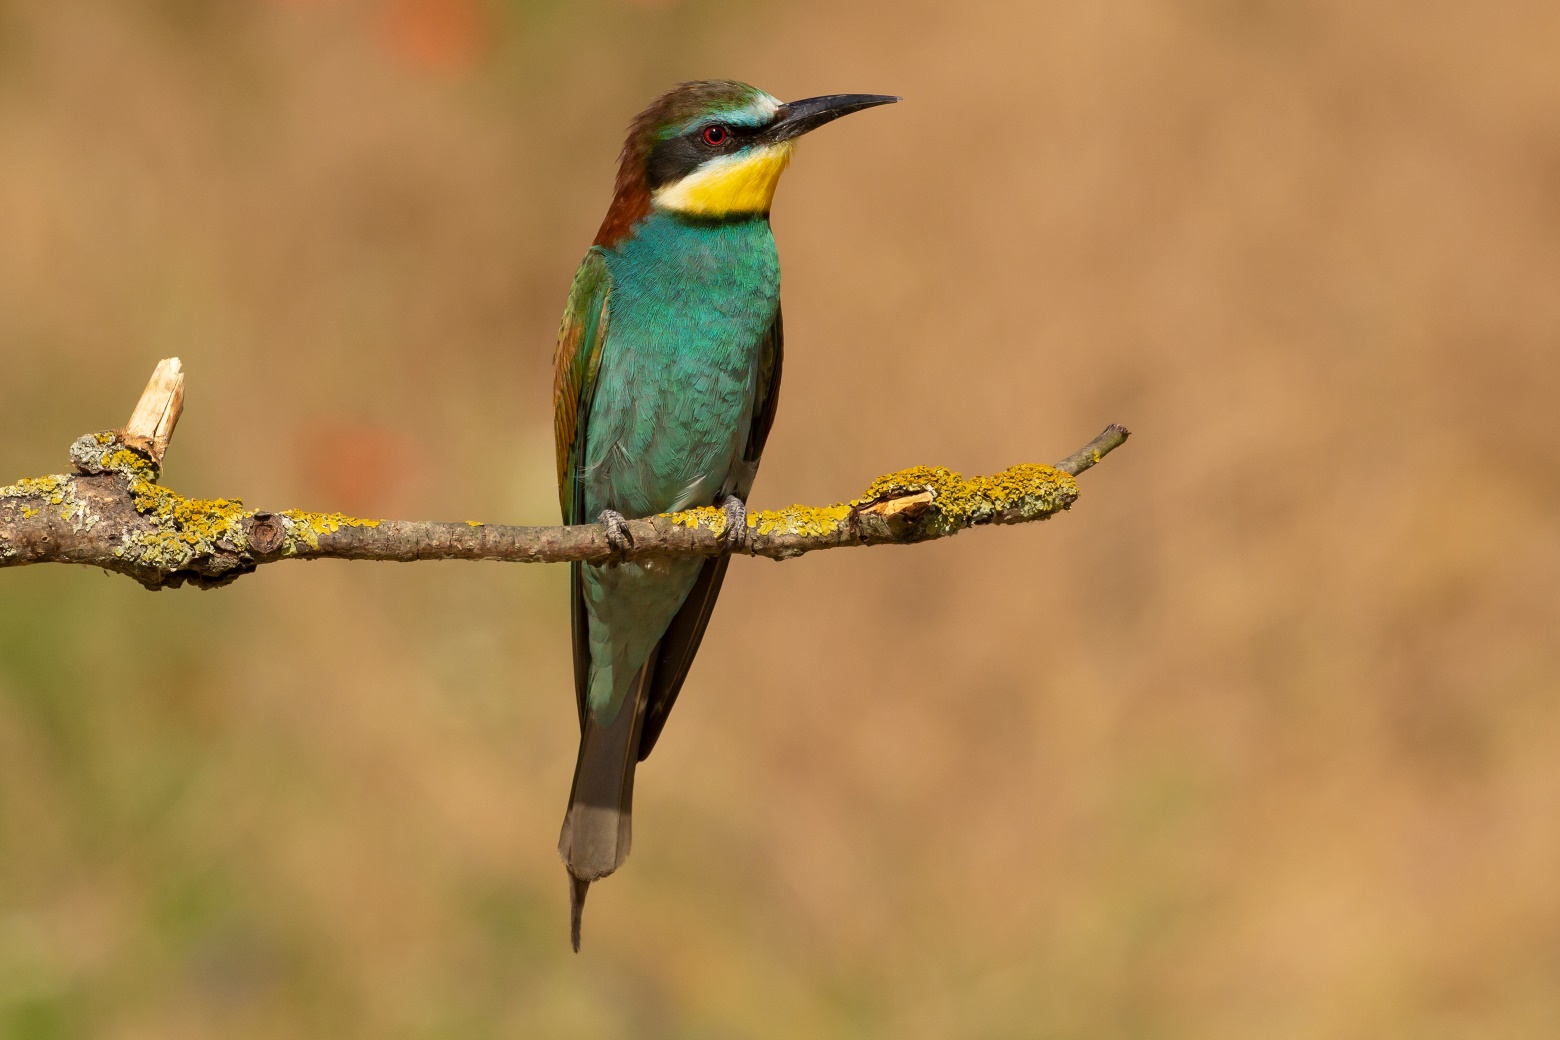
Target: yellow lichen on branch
(113, 513)
(802, 521)
(309, 526)
(706, 518)
(53, 492)
(1023, 492)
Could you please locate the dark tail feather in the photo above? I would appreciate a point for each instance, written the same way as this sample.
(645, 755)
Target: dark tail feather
(597, 829)
(577, 889)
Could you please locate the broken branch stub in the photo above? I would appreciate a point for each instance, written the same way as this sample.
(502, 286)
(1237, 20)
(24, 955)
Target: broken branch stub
(151, 425)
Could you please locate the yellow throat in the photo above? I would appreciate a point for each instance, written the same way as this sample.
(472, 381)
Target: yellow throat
(732, 184)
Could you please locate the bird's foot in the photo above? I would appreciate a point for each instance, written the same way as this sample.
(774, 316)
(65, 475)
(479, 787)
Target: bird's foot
(736, 523)
(618, 537)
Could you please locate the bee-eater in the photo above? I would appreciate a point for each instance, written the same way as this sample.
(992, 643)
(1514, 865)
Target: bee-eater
(667, 376)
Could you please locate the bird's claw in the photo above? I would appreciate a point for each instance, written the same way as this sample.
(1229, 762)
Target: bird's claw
(619, 538)
(736, 523)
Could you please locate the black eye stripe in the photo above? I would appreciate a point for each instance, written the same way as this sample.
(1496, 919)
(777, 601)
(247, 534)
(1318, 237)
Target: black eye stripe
(676, 157)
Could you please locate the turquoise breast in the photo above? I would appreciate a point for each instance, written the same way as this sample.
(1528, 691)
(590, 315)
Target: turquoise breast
(691, 302)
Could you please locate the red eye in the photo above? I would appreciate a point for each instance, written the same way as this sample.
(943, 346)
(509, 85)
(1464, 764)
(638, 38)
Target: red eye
(715, 136)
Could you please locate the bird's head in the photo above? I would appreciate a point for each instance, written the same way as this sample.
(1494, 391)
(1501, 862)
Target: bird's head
(714, 149)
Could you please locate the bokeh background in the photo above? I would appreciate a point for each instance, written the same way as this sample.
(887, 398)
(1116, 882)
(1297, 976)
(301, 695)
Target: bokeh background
(1261, 740)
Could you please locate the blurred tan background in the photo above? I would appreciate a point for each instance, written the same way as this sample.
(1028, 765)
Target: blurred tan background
(1262, 740)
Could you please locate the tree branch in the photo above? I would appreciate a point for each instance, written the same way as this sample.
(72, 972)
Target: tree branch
(112, 513)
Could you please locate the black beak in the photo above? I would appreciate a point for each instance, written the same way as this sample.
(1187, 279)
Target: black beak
(798, 117)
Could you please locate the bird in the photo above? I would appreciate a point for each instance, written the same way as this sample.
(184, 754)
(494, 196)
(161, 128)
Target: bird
(666, 380)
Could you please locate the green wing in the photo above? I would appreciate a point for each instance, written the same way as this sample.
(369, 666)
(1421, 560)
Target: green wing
(580, 339)
(674, 655)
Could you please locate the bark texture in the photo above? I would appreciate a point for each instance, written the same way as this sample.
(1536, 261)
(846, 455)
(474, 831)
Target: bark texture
(112, 513)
